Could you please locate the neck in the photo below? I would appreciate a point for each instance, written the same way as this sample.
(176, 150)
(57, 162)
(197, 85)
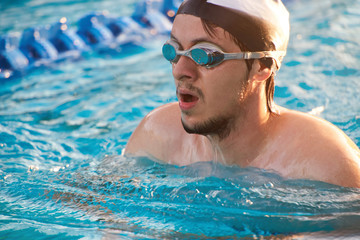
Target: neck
(247, 138)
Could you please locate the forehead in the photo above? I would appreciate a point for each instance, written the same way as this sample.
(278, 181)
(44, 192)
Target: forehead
(189, 30)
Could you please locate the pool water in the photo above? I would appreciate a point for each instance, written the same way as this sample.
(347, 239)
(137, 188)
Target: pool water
(63, 128)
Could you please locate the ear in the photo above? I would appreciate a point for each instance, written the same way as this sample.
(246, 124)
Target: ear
(259, 72)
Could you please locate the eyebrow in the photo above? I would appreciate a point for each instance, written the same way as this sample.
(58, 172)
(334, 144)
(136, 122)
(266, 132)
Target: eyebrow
(194, 41)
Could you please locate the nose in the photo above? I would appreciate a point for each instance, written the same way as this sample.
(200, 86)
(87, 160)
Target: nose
(185, 69)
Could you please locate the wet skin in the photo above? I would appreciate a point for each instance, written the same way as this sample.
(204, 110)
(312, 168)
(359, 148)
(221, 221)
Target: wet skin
(226, 107)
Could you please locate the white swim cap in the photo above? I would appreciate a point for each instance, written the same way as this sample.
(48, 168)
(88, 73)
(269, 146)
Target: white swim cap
(261, 25)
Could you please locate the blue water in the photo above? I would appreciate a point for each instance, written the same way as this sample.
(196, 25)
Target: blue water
(63, 128)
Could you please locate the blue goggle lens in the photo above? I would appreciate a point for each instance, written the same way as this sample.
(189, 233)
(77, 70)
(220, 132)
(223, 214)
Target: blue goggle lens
(200, 56)
(169, 52)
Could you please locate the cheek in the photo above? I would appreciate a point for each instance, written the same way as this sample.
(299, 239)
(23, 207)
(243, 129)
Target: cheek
(222, 98)
(227, 85)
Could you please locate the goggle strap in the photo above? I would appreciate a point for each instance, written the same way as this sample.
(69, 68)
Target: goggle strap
(277, 56)
(254, 55)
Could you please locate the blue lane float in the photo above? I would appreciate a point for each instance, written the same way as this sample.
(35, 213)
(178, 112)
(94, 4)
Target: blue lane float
(45, 45)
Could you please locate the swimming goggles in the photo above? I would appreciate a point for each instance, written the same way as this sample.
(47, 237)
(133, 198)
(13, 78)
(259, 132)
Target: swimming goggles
(210, 55)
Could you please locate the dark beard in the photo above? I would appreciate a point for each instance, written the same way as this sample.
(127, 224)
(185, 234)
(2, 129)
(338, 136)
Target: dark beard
(220, 127)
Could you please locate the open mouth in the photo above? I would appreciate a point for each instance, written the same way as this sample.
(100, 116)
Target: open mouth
(188, 98)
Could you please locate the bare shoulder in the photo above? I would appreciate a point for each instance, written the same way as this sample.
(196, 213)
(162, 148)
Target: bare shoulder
(321, 150)
(151, 136)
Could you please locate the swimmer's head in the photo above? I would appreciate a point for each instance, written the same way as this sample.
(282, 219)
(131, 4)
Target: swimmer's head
(259, 25)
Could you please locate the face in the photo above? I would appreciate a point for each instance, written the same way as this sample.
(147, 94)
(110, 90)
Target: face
(211, 99)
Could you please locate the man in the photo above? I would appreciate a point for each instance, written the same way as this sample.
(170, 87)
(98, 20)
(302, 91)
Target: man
(226, 112)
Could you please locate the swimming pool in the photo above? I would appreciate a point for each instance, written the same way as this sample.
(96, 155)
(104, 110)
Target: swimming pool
(64, 126)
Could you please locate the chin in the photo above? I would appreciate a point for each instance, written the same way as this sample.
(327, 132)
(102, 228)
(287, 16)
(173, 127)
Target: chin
(189, 124)
(219, 126)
